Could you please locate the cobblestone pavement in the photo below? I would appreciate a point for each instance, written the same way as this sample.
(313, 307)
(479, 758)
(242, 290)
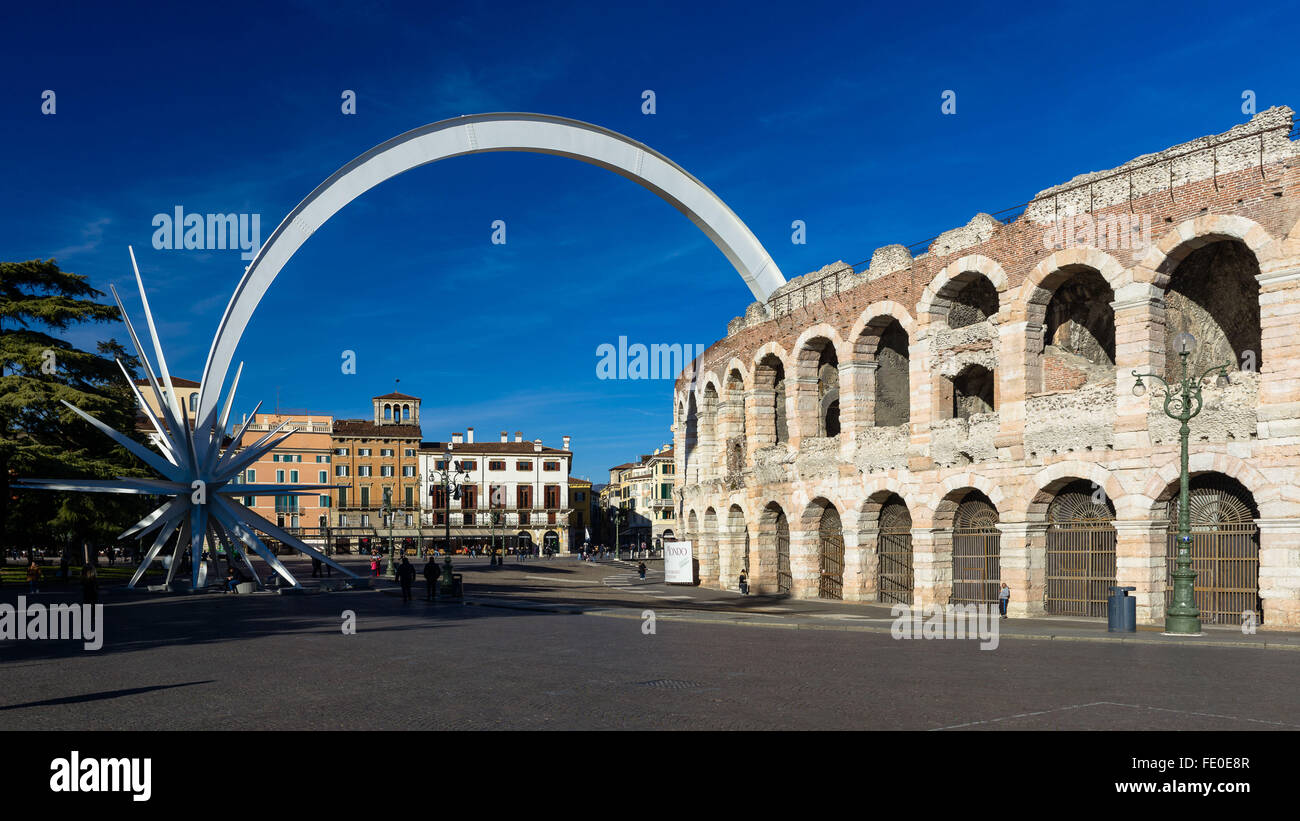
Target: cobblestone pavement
(497, 661)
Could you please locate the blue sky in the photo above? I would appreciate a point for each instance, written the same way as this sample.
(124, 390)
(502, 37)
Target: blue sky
(828, 114)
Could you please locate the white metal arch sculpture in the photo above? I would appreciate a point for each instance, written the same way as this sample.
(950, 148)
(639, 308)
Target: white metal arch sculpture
(477, 134)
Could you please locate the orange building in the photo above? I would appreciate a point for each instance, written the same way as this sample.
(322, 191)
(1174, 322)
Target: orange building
(304, 458)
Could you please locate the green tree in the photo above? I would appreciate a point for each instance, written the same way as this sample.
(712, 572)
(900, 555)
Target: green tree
(39, 436)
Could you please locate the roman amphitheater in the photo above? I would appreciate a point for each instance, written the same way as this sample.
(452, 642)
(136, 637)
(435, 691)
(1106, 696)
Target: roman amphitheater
(964, 412)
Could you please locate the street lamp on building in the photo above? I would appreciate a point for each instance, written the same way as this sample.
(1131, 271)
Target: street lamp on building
(451, 477)
(1182, 403)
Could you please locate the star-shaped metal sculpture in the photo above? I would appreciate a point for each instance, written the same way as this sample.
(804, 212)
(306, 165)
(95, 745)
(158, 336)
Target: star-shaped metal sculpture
(199, 475)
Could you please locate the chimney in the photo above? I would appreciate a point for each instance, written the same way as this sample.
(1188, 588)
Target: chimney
(537, 446)
(656, 453)
(469, 436)
(519, 436)
(566, 442)
(505, 437)
(456, 438)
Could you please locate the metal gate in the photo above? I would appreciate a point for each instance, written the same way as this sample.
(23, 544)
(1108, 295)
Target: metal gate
(894, 580)
(1080, 553)
(976, 543)
(831, 539)
(784, 579)
(1225, 554)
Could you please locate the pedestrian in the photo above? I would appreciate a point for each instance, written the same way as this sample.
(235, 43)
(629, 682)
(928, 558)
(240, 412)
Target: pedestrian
(374, 565)
(232, 581)
(406, 575)
(315, 567)
(111, 556)
(63, 567)
(89, 585)
(431, 574)
(34, 577)
(641, 570)
(1004, 596)
(744, 582)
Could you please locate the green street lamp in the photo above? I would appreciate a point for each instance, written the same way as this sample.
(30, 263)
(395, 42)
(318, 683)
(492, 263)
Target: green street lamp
(1182, 403)
(387, 513)
(451, 477)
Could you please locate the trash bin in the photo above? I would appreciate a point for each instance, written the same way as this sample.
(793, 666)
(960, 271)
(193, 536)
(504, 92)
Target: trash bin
(1121, 611)
(457, 586)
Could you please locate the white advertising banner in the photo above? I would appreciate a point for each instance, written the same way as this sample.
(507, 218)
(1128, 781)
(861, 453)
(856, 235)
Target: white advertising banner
(677, 563)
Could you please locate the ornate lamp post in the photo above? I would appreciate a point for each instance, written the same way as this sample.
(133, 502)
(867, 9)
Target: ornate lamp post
(451, 477)
(1182, 403)
(387, 512)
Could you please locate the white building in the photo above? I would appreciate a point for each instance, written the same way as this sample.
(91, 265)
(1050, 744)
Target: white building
(512, 492)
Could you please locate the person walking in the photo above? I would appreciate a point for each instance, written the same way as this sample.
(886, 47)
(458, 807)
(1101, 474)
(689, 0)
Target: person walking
(34, 577)
(406, 576)
(89, 585)
(431, 574)
(744, 582)
(640, 569)
(315, 567)
(374, 565)
(64, 563)
(1004, 596)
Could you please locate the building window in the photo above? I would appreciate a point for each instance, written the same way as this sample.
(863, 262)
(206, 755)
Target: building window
(293, 477)
(469, 496)
(524, 496)
(551, 494)
(523, 517)
(340, 470)
(410, 451)
(365, 496)
(365, 519)
(365, 470)
(340, 451)
(410, 499)
(408, 470)
(406, 412)
(523, 465)
(550, 465)
(469, 464)
(286, 504)
(279, 477)
(578, 496)
(388, 412)
(385, 470)
(550, 517)
(324, 476)
(252, 476)
(248, 501)
(343, 497)
(324, 501)
(363, 451)
(386, 452)
(497, 465)
(441, 464)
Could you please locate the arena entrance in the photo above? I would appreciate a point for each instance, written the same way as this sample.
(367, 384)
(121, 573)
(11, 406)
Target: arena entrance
(1225, 549)
(1080, 551)
(976, 551)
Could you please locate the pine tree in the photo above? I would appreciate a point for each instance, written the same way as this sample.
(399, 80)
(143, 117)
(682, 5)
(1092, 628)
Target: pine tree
(39, 436)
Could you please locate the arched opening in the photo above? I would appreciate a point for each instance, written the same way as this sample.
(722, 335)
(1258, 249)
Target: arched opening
(892, 391)
(972, 392)
(976, 550)
(1078, 334)
(691, 457)
(1080, 550)
(406, 413)
(773, 572)
(388, 413)
(819, 414)
(830, 550)
(707, 441)
(973, 299)
(1224, 548)
(770, 410)
(708, 547)
(1213, 294)
(894, 574)
(733, 414)
(738, 533)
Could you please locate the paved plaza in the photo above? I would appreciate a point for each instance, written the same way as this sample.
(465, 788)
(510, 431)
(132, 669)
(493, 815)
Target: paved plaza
(560, 644)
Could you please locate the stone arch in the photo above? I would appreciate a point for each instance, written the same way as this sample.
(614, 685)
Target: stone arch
(480, 133)
(941, 501)
(1158, 487)
(707, 550)
(1038, 493)
(822, 527)
(816, 380)
(733, 423)
(885, 540)
(770, 395)
(772, 572)
(1189, 235)
(878, 387)
(935, 299)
